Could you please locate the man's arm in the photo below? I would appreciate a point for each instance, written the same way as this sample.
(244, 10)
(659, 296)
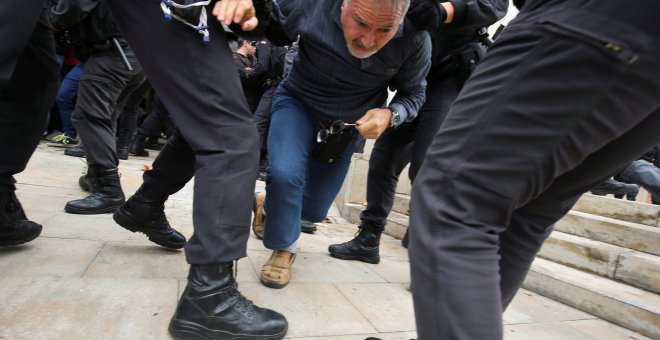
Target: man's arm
(410, 84)
(67, 13)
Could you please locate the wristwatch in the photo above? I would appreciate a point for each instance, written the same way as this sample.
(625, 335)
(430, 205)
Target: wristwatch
(396, 117)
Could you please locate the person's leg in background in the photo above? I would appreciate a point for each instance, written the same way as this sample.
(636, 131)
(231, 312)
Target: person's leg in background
(104, 86)
(644, 174)
(128, 119)
(390, 155)
(151, 127)
(201, 90)
(66, 104)
(511, 133)
(28, 83)
(262, 119)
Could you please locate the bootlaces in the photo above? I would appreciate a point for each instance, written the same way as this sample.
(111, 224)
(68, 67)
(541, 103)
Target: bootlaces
(244, 305)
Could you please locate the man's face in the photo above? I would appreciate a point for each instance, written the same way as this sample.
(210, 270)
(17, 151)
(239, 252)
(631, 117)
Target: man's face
(368, 25)
(249, 49)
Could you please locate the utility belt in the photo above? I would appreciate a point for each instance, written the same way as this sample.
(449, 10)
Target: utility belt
(98, 47)
(459, 64)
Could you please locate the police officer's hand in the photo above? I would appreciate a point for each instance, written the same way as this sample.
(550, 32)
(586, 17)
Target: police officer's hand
(240, 12)
(429, 15)
(373, 123)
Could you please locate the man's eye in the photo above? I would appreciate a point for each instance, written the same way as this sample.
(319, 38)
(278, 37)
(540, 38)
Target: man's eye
(385, 30)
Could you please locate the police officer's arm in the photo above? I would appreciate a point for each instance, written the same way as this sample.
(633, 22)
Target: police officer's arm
(283, 20)
(263, 59)
(410, 84)
(434, 15)
(70, 12)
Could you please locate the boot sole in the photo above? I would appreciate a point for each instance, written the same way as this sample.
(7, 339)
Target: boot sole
(6, 243)
(367, 259)
(182, 330)
(308, 230)
(71, 210)
(129, 224)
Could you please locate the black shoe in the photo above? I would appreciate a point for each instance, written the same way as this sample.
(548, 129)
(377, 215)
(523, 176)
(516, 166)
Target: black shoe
(307, 227)
(405, 240)
(364, 247)
(141, 214)
(15, 228)
(124, 138)
(137, 146)
(211, 307)
(87, 182)
(615, 188)
(75, 151)
(106, 196)
(152, 143)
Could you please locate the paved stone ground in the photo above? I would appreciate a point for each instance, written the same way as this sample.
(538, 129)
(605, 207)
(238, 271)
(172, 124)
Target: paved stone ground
(87, 278)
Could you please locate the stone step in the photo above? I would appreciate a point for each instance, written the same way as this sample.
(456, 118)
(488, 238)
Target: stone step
(640, 237)
(397, 223)
(621, 264)
(401, 204)
(631, 211)
(629, 307)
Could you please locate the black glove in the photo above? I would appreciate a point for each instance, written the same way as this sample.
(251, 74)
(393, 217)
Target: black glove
(262, 10)
(426, 15)
(519, 3)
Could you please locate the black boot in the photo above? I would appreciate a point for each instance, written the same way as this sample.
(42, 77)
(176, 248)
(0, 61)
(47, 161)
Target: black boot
(87, 182)
(145, 214)
(15, 228)
(124, 138)
(75, 151)
(211, 307)
(152, 143)
(106, 196)
(137, 146)
(364, 247)
(615, 188)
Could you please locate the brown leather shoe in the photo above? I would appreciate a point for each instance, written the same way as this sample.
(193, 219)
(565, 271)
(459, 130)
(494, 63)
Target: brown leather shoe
(276, 272)
(259, 222)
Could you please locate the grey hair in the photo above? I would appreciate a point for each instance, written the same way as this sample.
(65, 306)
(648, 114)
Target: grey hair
(396, 4)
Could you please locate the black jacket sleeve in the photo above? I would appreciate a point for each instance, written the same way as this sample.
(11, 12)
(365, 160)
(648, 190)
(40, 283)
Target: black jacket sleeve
(67, 13)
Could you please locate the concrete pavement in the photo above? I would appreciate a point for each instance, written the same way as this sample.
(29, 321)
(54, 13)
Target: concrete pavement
(87, 278)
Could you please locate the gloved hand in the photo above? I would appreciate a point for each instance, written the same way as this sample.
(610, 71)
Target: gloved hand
(427, 15)
(519, 3)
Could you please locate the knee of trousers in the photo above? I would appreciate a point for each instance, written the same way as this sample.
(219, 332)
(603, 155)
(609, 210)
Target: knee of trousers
(284, 178)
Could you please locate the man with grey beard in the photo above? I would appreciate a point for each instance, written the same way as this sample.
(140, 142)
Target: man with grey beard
(350, 53)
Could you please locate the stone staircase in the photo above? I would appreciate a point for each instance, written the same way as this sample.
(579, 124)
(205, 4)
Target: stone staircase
(603, 257)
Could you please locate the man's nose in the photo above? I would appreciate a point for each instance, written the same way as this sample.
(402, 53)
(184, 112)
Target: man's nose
(368, 39)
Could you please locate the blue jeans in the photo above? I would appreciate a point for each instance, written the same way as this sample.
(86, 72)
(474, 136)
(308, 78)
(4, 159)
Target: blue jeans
(66, 99)
(297, 186)
(644, 174)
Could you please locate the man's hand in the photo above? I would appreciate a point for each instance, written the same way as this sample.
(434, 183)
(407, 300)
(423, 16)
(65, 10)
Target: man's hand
(241, 12)
(374, 122)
